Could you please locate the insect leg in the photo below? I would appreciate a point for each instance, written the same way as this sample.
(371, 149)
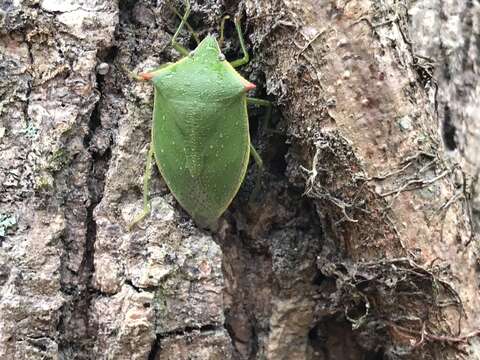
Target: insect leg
(245, 57)
(222, 28)
(145, 75)
(256, 157)
(131, 74)
(264, 103)
(268, 113)
(146, 189)
(195, 36)
(259, 173)
(160, 67)
(182, 50)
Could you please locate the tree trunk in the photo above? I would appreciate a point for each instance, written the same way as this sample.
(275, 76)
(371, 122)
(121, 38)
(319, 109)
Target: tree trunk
(361, 245)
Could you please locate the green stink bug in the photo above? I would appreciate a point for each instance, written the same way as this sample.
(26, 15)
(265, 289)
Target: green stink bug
(200, 133)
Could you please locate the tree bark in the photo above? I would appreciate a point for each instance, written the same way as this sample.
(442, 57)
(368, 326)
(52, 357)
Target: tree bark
(363, 243)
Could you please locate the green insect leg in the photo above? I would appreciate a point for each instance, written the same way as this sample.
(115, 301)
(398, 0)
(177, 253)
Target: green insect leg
(145, 76)
(264, 103)
(195, 36)
(253, 152)
(256, 157)
(146, 189)
(222, 28)
(259, 172)
(131, 74)
(182, 50)
(268, 114)
(245, 59)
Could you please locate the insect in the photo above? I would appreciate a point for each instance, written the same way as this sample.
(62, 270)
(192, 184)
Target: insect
(200, 134)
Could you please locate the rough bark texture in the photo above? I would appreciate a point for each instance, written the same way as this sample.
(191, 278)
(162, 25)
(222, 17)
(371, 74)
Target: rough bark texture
(362, 244)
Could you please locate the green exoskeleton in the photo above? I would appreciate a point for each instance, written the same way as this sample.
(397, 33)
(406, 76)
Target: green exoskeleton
(200, 133)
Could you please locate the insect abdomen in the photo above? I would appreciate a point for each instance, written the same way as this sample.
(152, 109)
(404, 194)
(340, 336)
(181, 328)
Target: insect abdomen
(203, 169)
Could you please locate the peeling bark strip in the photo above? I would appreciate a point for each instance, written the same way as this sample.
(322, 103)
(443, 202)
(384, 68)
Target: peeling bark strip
(360, 246)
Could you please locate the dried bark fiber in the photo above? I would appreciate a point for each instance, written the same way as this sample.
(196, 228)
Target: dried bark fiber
(362, 244)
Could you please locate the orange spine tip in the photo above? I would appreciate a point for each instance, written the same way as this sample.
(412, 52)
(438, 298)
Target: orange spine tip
(250, 86)
(146, 76)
